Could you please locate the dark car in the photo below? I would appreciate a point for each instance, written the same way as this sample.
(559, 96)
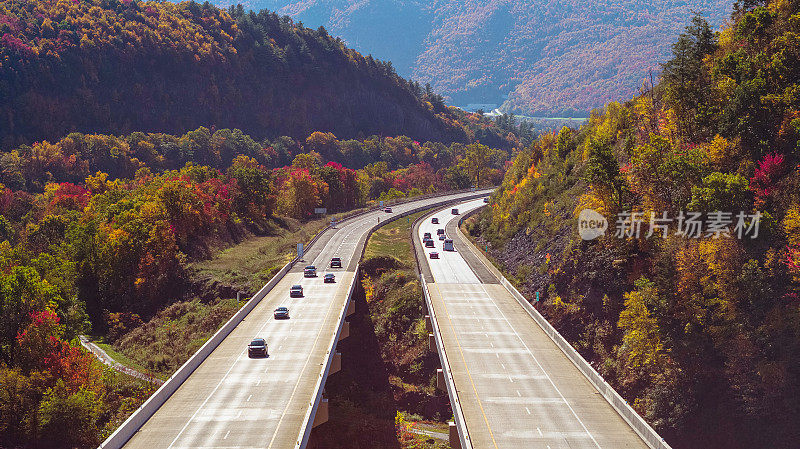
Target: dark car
(281, 313)
(310, 271)
(257, 347)
(296, 291)
(442, 237)
(434, 255)
(428, 243)
(440, 231)
(454, 211)
(486, 200)
(329, 278)
(336, 262)
(388, 210)
(435, 220)
(426, 235)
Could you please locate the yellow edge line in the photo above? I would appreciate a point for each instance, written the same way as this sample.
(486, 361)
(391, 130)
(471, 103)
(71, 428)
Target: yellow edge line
(460, 350)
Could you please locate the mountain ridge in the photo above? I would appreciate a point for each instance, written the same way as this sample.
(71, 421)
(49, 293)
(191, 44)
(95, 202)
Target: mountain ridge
(533, 57)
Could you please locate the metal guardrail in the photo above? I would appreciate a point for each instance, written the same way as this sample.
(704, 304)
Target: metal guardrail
(637, 423)
(455, 404)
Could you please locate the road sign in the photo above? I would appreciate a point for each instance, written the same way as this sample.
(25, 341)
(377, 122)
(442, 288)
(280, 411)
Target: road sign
(380, 203)
(320, 210)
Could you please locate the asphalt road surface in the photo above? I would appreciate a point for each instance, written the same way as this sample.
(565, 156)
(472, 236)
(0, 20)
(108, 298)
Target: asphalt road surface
(233, 401)
(516, 388)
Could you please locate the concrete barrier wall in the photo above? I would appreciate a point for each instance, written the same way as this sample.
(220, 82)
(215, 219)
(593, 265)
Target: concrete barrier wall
(134, 422)
(455, 404)
(313, 405)
(308, 423)
(647, 433)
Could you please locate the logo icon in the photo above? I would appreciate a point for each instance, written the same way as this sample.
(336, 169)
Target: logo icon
(591, 224)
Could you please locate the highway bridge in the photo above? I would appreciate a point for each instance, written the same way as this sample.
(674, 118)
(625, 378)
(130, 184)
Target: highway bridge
(515, 386)
(223, 399)
(511, 384)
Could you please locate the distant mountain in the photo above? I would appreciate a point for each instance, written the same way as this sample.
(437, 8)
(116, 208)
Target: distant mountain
(538, 57)
(98, 66)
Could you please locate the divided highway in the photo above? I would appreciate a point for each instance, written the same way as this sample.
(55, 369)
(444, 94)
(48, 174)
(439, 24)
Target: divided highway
(232, 400)
(516, 388)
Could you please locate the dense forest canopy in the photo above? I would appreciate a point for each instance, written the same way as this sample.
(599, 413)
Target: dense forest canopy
(701, 335)
(119, 66)
(96, 232)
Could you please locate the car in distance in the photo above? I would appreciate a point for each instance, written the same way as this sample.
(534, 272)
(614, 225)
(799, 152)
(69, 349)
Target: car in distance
(442, 237)
(296, 291)
(435, 220)
(336, 262)
(388, 210)
(281, 313)
(454, 211)
(428, 243)
(426, 236)
(486, 200)
(448, 245)
(257, 347)
(310, 271)
(329, 278)
(440, 231)
(434, 255)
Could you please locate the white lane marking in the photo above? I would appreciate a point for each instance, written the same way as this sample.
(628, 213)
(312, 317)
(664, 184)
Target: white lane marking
(259, 382)
(528, 410)
(225, 376)
(510, 326)
(519, 394)
(540, 432)
(491, 344)
(504, 367)
(226, 435)
(251, 396)
(239, 414)
(509, 378)
(497, 355)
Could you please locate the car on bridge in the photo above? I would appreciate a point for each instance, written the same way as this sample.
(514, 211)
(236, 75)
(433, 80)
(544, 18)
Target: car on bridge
(388, 210)
(336, 262)
(310, 271)
(257, 347)
(296, 291)
(435, 220)
(329, 278)
(434, 255)
(428, 243)
(454, 211)
(448, 245)
(281, 313)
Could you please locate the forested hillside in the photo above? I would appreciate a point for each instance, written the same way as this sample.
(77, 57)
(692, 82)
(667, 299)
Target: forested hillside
(698, 329)
(96, 232)
(551, 57)
(119, 66)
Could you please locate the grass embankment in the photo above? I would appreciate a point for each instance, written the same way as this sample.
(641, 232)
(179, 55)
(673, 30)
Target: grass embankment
(385, 395)
(167, 340)
(250, 264)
